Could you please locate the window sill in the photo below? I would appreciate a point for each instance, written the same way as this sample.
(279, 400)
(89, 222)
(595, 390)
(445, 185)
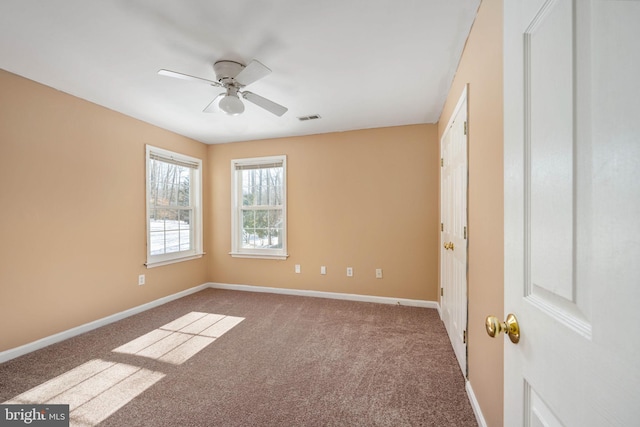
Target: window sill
(259, 256)
(172, 261)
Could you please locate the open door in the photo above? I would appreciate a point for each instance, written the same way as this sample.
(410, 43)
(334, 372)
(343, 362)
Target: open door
(453, 230)
(572, 212)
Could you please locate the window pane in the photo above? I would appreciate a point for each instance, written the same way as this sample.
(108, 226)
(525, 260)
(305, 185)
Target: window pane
(169, 184)
(155, 224)
(262, 219)
(185, 240)
(185, 217)
(171, 225)
(275, 240)
(263, 196)
(247, 197)
(275, 218)
(170, 230)
(273, 195)
(248, 220)
(262, 234)
(262, 187)
(184, 186)
(262, 228)
(172, 241)
(250, 239)
(157, 243)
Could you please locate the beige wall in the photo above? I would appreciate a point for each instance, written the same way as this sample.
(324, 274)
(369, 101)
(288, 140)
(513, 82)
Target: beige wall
(481, 67)
(365, 199)
(72, 197)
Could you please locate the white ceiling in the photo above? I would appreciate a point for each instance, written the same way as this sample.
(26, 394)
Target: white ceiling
(357, 63)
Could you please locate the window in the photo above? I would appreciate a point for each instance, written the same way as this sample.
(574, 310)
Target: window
(174, 207)
(259, 207)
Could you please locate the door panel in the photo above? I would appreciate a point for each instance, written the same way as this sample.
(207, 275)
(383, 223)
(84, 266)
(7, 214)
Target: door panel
(453, 202)
(572, 203)
(537, 412)
(548, 104)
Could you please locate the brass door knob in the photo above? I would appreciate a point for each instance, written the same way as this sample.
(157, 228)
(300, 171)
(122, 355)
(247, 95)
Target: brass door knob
(448, 245)
(495, 327)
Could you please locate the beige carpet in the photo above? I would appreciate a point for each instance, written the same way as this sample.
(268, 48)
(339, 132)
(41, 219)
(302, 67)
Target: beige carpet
(230, 358)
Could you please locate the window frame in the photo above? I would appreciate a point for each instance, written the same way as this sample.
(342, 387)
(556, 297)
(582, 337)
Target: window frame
(195, 204)
(237, 250)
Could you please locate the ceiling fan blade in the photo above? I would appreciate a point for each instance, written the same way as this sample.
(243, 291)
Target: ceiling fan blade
(268, 105)
(182, 76)
(254, 71)
(213, 105)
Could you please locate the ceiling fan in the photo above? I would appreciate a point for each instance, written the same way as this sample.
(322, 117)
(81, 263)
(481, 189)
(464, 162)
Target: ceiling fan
(233, 76)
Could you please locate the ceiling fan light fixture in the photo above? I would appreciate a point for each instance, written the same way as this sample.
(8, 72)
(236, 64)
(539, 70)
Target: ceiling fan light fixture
(233, 76)
(231, 105)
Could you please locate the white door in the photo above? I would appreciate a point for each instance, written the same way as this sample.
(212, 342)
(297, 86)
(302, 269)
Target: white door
(572, 212)
(453, 235)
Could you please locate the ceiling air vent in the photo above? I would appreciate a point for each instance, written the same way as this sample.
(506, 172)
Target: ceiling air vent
(311, 117)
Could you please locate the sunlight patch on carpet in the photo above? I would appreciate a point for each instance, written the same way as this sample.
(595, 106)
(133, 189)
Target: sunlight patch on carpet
(179, 340)
(93, 391)
(97, 389)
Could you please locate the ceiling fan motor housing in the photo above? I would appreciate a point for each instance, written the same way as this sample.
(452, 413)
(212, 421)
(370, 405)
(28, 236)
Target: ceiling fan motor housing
(226, 71)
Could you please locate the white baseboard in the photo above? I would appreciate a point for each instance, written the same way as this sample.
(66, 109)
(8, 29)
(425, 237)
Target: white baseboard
(331, 295)
(474, 404)
(69, 333)
(52, 339)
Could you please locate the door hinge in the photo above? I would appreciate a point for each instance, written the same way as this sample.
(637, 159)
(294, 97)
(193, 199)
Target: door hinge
(465, 233)
(441, 292)
(441, 227)
(464, 337)
(441, 162)
(465, 127)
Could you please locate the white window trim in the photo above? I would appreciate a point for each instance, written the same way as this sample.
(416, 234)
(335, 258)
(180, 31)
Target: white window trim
(236, 223)
(196, 197)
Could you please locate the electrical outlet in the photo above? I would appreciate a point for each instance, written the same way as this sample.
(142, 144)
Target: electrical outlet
(141, 279)
(323, 270)
(378, 273)
(349, 272)
(298, 268)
